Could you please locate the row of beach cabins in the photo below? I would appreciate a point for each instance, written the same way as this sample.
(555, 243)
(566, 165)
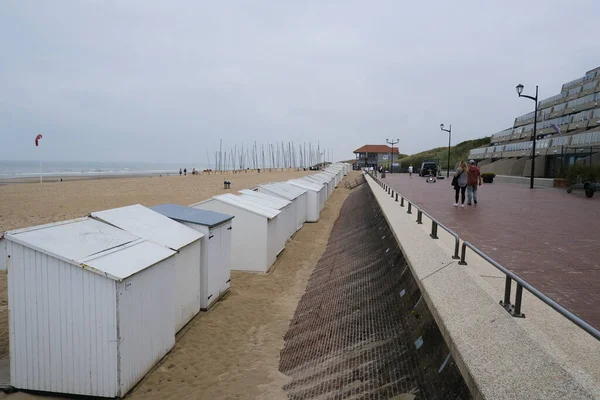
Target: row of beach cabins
(95, 302)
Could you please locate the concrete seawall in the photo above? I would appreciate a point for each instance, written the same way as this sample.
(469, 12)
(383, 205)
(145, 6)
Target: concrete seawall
(542, 356)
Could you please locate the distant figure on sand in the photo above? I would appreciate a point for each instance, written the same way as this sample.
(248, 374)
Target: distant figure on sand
(460, 183)
(180, 172)
(185, 171)
(410, 170)
(474, 180)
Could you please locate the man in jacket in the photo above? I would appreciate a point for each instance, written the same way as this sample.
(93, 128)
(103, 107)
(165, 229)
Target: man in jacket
(473, 180)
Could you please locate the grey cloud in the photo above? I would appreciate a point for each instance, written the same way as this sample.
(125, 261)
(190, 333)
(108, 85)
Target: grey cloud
(163, 81)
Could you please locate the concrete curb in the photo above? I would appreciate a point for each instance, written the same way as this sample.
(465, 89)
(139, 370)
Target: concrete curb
(497, 357)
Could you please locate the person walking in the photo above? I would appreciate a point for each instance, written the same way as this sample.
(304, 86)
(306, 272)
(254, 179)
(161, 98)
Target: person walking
(473, 180)
(460, 183)
(410, 170)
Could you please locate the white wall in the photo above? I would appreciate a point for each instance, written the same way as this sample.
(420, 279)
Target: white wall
(146, 321)
(62, 326)
(313, 206)
(248, 236)
(273, 243)
(3, 254)
(187, 284)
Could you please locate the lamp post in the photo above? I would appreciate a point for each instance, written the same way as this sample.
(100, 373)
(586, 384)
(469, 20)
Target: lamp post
(519, 92)
(392, 142)
(449, 138)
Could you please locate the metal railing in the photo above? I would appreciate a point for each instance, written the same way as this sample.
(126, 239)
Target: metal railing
(434, 222)
(513, 309)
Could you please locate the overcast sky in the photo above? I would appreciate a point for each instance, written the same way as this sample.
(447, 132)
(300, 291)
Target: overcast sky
(150, 80)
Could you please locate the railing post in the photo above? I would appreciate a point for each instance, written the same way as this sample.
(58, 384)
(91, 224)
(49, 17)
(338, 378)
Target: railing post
(419, 217)
(434, 227)
(456, 245)
(462, 255)
(409, 211)
(401, 201)
(518, 299)
(507, 289)
(392, 193)
(396, 196)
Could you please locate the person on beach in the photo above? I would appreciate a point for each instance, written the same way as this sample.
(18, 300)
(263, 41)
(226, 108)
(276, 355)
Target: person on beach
(410, 170)
(185, 172)
(460, 183)
(180, 172)
(473, 180)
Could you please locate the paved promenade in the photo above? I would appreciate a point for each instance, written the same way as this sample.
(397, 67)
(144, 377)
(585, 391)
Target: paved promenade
(548, 237)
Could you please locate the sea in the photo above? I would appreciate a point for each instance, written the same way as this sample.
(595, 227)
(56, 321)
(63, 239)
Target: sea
(28, 169)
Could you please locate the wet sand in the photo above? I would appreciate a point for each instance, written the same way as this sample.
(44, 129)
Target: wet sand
(233, 350)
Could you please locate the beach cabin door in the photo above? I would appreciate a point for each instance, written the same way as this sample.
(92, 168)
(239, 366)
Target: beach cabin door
(225, 265)
(214, 262)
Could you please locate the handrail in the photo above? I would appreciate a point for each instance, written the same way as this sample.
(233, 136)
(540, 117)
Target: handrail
(548, 301)
(435, 222)
(513, 309)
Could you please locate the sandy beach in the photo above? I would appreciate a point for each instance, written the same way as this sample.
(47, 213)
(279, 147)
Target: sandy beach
(232, 351)
(29, 204)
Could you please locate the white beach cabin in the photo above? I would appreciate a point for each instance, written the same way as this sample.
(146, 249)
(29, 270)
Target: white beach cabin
(254, 241)
(317, 180)
(288, 209)
(327, 179)
(289, 192)
(338, 171)
(150, 225)
(313, 198)
(90, 307)
(281, 221)
(323, 193)
(329, 175)
(215, 270)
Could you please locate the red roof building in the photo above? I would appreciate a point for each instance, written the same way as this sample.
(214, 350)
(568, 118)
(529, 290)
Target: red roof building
(375, 148)
(375, 155)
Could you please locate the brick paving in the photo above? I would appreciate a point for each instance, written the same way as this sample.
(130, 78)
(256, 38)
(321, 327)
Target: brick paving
(546, 236)
(358, 329)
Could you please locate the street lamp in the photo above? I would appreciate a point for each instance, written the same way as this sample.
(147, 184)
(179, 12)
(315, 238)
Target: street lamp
(392, 142)
(449, 138)
(519, 92)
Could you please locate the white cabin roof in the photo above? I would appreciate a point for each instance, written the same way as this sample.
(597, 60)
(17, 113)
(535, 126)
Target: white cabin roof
(330, 174)
(284, 189)
(288, 187)
(260, 203)
(272, 201)
(237, 201)
(316, 181)
(150, 225)
(87, 243)
(307, 185)
(320, 177)
(130, 259)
